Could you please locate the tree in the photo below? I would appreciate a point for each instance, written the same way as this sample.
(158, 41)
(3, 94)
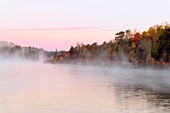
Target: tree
(120, 36)
(128, 34)
(72, 51)
(151, 32)
(17, 48)
(136, 38)
(154, 51)
(164, 42)
(159, 31)
(144, 34)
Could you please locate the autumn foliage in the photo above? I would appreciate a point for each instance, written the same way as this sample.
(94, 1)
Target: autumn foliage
(149, 48)
(136, 38)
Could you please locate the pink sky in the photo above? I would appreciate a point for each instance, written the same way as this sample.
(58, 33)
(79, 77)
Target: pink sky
(56, 38)
(61, 38)
(52, 24)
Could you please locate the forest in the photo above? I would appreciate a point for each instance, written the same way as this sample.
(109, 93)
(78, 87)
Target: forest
(149, 48)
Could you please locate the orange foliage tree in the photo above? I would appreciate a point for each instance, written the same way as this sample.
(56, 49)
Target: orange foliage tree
(136, 38)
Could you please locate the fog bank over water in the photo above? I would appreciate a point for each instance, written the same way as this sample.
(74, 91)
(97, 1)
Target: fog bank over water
(16, 60)
(31, 87)
(157, 80)
(13, 51)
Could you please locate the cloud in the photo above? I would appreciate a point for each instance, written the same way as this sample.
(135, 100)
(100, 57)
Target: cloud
(91, 28)
(51, 29)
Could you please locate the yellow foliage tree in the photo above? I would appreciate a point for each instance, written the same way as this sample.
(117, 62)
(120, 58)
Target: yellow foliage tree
(133, 45)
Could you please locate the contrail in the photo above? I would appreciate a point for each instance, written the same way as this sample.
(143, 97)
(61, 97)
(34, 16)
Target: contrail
(89, 28)
(54, 29)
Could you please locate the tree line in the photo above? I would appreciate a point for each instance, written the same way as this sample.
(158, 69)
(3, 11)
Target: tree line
(148, 48)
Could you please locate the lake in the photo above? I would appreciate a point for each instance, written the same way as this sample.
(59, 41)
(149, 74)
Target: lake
(34, 87)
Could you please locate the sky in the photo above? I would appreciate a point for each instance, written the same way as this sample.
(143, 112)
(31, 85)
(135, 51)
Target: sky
(58, 24)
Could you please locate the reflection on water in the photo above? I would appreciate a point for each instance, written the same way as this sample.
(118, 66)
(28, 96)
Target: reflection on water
(42, 88)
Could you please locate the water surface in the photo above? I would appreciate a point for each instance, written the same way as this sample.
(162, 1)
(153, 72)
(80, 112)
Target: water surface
(29, 87)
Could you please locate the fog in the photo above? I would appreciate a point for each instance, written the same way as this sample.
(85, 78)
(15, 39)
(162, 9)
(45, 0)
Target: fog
(157, 80)
(12, 51)
(69, 88)
(124, 74)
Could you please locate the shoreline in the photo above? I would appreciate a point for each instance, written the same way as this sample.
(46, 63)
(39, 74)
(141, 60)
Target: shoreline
(112, 64)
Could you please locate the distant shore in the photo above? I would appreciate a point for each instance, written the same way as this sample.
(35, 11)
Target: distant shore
(147, 49)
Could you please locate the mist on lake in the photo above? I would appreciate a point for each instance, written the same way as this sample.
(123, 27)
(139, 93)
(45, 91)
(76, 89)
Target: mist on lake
(31, 87)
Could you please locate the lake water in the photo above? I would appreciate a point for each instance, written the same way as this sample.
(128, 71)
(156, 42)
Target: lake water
(29, 87)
